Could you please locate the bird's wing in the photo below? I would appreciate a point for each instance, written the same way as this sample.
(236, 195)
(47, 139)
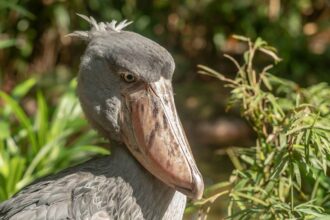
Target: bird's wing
(75, 195)
(104, 198)
(48, 199)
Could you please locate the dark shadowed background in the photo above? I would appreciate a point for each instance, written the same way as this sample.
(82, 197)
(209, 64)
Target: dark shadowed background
(33, 45)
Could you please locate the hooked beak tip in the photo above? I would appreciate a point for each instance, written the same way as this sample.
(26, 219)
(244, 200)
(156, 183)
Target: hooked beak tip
(196, 190)
(198, 187)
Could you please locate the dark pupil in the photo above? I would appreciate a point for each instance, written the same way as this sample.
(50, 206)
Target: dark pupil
(129, 77)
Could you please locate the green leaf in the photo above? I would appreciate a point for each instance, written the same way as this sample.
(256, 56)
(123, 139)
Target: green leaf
(297, 174)
(16, 167)
(14, 6)
(3, 191)
(89, 137)
(7, 43)
(22, 89)
(247, 159)
(66, 113)
(4, 130)
(22, 118)
(322, 217)
(210, 72)
(246, 56)
(42, 119)
(259, 43)
(271, 54)
(280, 167)
(311, 212)
(266, 82)
(88, 148)
(241, 38)
(42, 153)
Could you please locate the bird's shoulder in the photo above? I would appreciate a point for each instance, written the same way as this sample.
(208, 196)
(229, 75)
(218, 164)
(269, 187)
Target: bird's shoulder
(77, 193)
(43, 199)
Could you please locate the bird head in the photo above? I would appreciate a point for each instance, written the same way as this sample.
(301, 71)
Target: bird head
(125, 89)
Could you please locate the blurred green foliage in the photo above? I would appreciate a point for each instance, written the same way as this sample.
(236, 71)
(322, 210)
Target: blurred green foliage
(49, 140)
(284, 176)
(195, 31)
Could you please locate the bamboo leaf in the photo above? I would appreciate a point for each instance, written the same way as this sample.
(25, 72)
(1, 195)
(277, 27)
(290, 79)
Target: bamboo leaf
(271, 54)
(241, 38)
(297, 174)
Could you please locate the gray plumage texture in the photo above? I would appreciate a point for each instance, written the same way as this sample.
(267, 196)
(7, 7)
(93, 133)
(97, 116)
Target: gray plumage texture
(108, 54)
(117, 187)
(100, 189)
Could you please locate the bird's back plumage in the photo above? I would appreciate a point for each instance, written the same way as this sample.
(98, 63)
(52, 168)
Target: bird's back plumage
(94, 190)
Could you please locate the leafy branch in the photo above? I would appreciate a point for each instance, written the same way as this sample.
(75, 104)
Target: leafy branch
(284, 176)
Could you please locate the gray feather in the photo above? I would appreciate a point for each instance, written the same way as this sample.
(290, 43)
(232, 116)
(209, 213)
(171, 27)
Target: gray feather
(98, 28)
(104, 188)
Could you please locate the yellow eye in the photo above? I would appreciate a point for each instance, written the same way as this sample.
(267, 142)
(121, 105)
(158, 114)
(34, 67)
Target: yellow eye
(128, 77)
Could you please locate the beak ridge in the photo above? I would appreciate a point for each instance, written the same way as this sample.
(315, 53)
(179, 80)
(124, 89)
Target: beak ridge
(157, 140)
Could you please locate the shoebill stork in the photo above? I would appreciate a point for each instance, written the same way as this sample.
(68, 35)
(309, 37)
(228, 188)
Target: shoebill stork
(125, 90)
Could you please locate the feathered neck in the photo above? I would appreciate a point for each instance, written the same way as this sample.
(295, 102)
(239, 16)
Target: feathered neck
(156, 200)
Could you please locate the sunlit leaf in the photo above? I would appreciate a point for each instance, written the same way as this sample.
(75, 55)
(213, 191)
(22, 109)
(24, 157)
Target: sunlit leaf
(297, 174)
(7, 43)
(42, 119)
(22, 117)
(23, 88)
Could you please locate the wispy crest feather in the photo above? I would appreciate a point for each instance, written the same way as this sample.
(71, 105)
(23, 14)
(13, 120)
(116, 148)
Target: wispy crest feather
(99, 27)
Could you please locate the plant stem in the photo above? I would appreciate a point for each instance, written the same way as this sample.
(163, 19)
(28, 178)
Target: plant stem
(291, 189)
(316, 185)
